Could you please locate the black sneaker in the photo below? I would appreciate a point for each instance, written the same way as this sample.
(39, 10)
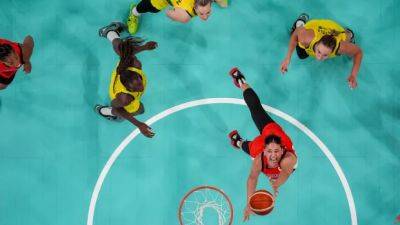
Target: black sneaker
(300, 21)
(349, 31)
(114, 26)
(98, 109)
(235, 138)
(303, 17)
(237, 76)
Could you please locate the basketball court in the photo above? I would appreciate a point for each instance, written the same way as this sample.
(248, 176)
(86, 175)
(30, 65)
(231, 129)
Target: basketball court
(61, 163)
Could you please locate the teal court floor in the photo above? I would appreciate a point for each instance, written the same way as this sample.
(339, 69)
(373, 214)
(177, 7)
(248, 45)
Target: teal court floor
(53, 146)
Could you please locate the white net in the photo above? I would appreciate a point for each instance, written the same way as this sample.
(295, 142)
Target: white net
(204, 206)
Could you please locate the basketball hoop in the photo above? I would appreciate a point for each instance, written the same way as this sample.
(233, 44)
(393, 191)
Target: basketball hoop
(194, 204)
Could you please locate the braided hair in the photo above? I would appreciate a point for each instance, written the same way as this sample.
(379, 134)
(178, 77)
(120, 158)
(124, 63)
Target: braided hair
(5, 51)
(127, 50)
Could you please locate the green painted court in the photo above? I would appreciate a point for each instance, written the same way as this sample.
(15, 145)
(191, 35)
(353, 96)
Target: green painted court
(53, 145)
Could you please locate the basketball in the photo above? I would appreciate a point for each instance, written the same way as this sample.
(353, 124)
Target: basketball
(261, 202)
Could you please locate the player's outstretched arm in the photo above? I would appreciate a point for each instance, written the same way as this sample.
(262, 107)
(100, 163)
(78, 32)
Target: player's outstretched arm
(27, 49)
(354, 51)
(252, 184)
(151, 45)
(118, 109)
(294, 38)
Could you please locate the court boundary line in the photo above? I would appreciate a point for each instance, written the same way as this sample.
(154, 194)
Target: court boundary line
(209, 101)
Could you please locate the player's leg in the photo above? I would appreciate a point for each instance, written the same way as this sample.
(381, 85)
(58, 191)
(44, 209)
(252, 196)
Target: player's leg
(238, 142)
(144, 6)
(259, 115)
(112, 33)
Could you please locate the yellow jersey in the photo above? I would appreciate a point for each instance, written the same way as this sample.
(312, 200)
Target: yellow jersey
(117, 87)
(187, 5)
(321, 28)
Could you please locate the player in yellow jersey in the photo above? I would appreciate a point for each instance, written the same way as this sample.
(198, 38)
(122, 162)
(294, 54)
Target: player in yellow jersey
(180, 11)
(128, 81)
(323, 39)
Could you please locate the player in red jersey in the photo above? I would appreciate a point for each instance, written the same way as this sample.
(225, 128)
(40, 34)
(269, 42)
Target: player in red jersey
(12, 57)
(272, 150)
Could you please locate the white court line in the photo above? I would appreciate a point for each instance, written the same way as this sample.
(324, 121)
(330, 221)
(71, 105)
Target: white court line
(235, 101)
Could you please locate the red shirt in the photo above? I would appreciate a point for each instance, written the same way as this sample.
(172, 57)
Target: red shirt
(257, 146)
(7, 71)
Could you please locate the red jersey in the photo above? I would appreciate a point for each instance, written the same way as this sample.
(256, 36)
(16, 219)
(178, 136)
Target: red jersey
(272, 173)
(7, 71)
(257, 146)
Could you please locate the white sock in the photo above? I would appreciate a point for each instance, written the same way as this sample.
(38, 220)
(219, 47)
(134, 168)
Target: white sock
(111, 35)
(135, 12)
(299, 23)
(239, 144)
(106, 111)
(241, 82)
